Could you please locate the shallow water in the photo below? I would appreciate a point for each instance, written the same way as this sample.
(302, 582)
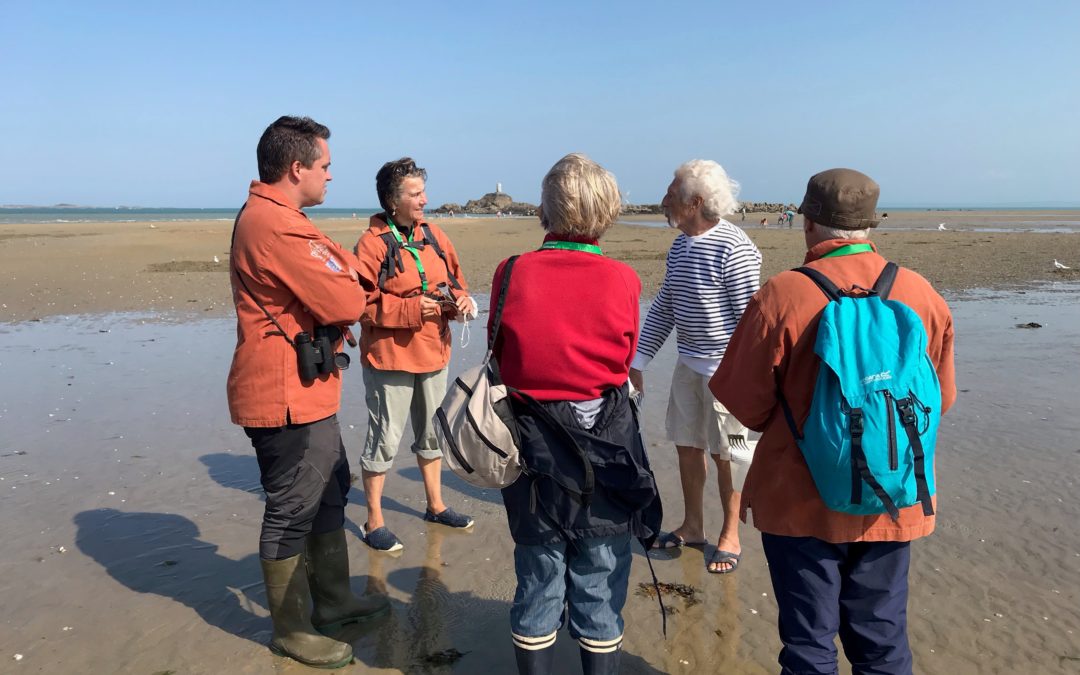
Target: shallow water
(132, 508)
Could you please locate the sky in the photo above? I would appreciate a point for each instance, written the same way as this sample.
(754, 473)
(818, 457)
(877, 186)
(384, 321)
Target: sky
(161, 104)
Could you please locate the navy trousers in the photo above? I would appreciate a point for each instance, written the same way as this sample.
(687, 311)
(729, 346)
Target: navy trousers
(858, 590)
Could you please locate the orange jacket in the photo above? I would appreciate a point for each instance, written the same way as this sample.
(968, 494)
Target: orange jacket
(394, 337)
(774, 343)
(304, 279)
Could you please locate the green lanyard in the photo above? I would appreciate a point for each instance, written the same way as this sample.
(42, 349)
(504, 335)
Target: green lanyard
(572, 246)
(408, 246)
(849, 249)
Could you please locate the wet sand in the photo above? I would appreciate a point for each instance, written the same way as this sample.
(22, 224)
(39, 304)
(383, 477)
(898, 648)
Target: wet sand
(132, 504)
(75, 268)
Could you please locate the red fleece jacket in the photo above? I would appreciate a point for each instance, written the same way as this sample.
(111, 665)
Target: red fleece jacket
(569, 326)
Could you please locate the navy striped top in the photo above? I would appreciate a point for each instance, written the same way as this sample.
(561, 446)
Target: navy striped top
(710, 278)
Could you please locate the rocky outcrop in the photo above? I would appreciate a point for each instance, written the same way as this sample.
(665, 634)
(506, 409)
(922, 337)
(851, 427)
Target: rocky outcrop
(751, 207)
(500, 202)
(491, 203)
(641, 209)
(767, 207)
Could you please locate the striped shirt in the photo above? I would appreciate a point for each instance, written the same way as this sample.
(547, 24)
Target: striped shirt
(710, 278)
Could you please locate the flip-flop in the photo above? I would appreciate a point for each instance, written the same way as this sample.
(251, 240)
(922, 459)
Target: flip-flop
(672, 540)
(720, 556)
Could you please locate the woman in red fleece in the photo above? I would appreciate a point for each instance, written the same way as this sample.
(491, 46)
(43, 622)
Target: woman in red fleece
(568, 332)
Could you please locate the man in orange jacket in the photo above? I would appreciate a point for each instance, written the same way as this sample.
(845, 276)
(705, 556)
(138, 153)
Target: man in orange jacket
(831, 571)
(293, 285)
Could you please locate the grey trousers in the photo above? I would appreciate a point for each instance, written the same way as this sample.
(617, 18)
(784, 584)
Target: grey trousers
(305, 474)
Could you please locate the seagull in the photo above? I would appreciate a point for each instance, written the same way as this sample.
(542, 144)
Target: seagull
(153, 226)
(1060, 266)
(941, 226)
(216, 259)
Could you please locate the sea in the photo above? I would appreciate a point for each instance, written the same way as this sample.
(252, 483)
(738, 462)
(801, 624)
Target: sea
(121, 214)
(1038, 219)
(973, 219)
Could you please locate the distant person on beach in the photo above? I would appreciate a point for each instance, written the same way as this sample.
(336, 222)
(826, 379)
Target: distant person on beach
(290, 281)
(571, 361)
(415, 288)
(713, 268)
(764, 222)
(831, 571)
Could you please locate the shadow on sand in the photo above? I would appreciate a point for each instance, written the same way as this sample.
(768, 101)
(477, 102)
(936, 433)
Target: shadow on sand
(436, 631)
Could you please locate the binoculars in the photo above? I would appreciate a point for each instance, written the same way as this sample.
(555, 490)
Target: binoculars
(315, 355)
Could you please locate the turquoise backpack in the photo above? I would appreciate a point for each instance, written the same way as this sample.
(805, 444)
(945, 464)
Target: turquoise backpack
(869, 438)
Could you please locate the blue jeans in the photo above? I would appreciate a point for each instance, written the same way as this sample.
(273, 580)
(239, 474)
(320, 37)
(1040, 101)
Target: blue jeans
(587, 578)
(858, 590)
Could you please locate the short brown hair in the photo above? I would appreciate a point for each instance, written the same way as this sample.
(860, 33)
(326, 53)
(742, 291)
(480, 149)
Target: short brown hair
(579, 198)
(288, 140)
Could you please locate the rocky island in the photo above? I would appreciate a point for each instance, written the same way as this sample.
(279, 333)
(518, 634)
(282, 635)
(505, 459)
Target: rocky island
(501, 203)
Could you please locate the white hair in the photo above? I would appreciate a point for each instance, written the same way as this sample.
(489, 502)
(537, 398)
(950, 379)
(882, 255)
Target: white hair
(839, 233)
(706, 179)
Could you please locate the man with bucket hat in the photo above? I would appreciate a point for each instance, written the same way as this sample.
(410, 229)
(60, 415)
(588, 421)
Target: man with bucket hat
(833, 570)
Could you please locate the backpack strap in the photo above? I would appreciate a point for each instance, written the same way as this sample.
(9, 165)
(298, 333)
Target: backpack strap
(883, 285)
(831, 291)
(905, 409)
(788, 415)
(497, 319)
(429, 237)
(860, 468)
(392, 263)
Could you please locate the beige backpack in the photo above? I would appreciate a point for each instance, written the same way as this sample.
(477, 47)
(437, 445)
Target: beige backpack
(475, 422)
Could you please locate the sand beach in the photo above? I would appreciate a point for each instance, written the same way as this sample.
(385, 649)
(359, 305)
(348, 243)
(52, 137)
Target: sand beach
(132, 505)
(51, 269)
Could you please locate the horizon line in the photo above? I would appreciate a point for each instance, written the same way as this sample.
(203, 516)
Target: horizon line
(881, 207)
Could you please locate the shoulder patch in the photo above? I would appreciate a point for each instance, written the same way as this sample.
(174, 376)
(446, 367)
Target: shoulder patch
(322, 252)
(319, 250)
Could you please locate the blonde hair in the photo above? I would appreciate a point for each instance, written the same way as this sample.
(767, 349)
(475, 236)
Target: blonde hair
(706, 179)
(579, 198)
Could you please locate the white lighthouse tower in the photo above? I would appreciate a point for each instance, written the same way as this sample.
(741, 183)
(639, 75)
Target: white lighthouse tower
(498, 188)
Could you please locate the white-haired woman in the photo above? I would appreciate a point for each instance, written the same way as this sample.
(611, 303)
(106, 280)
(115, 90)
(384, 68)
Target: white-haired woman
(588, 488)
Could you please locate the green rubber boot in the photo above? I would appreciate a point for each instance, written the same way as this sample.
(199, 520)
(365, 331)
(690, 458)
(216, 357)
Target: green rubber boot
(287, 595)
(328, 574)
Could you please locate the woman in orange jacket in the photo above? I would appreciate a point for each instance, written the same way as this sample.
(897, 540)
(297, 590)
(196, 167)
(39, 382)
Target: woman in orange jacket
(415, 288)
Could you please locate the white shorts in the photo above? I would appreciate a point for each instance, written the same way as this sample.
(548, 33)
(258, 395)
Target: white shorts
(695, 418)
